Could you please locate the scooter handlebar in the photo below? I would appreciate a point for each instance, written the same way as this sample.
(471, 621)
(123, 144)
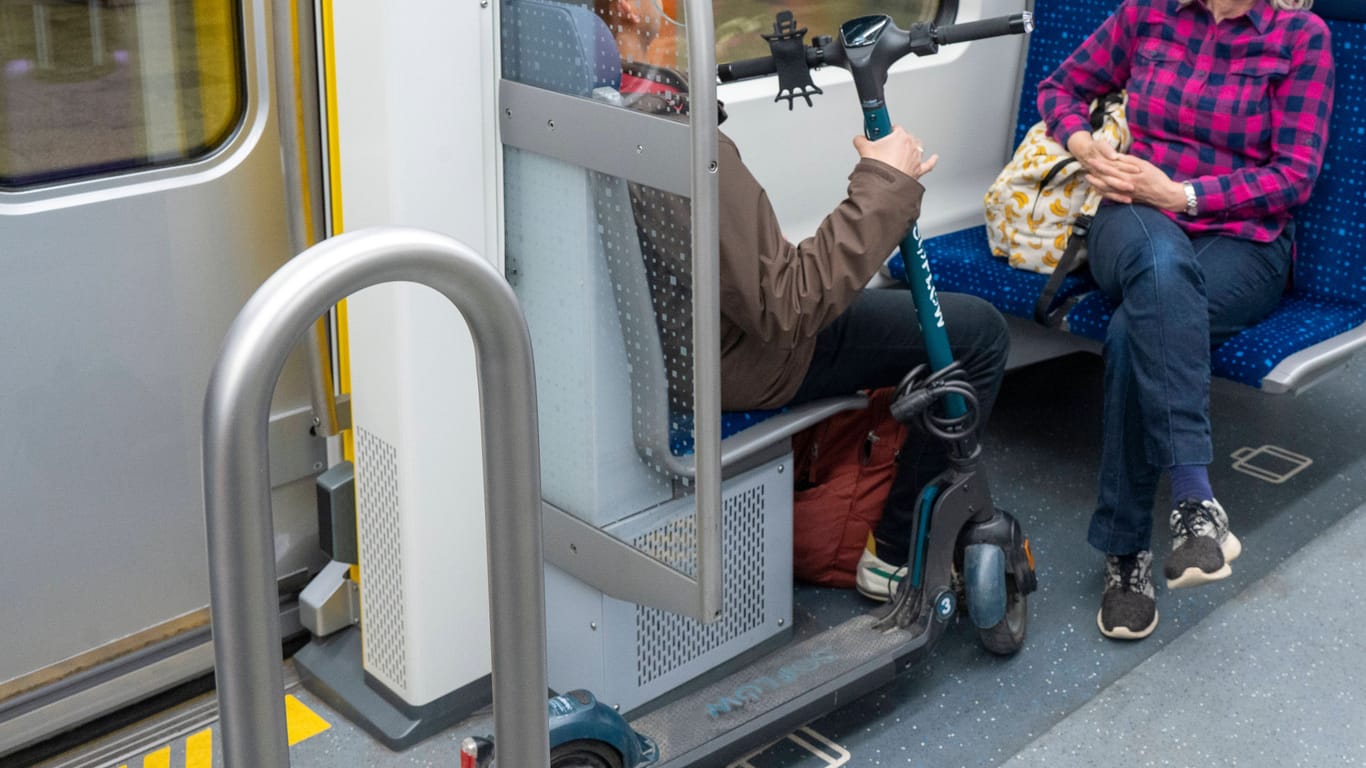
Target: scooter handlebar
(746, 68)
(1014, 24)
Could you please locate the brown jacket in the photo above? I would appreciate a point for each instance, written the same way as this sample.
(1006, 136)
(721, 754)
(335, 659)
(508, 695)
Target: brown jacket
(776, 296)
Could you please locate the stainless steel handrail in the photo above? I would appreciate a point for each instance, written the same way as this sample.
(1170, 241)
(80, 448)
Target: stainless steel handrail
(244, 597)
(706, 316)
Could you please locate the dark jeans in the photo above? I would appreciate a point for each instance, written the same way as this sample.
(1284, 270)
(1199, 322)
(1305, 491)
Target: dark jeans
(874, 344)
(1176, 297)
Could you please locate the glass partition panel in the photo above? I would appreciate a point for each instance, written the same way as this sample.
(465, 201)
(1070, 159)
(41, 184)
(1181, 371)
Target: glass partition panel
(94, 87)
(603, 266)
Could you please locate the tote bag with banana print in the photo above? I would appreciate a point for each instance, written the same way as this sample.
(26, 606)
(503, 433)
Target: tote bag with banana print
(1031, 206)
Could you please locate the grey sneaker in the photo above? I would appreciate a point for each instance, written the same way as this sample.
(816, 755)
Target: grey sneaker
(1128, 609)
(1202, 545)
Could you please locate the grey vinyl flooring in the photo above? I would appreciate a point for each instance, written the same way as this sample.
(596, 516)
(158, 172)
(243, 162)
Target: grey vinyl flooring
(1227, 662)
(1262, 669)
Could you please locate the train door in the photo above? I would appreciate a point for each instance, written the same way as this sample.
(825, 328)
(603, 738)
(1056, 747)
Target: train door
(142, 200)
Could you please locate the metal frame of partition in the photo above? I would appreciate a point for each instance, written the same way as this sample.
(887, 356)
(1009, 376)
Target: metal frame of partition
(237, 508)
(571, 129)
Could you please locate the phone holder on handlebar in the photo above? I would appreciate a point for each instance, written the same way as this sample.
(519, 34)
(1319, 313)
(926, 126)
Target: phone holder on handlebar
(789, 57)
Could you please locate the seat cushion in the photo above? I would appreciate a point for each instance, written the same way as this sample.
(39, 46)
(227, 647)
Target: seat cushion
(961, 262)
(1296, 323)
(680, 427)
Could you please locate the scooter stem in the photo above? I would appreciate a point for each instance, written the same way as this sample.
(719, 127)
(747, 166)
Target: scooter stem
(876, 124)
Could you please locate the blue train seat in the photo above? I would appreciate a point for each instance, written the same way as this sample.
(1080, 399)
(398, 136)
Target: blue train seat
(1321, 320)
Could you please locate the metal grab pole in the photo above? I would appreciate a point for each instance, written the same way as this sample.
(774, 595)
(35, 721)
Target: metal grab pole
(706, 308)
(244, 601)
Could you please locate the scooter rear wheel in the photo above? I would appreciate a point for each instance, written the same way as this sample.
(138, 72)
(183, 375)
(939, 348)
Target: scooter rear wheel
(1007, 636)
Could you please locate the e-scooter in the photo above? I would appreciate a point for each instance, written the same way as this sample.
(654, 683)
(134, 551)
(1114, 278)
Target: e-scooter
(964, 550)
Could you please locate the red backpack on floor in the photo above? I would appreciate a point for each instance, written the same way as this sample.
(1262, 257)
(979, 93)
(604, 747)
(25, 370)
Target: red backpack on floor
(845, 466)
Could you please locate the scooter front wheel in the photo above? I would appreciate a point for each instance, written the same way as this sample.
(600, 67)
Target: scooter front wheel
(584, 753)
(1007, 636)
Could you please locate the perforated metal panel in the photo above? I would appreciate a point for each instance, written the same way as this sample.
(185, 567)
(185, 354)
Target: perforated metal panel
(380, 556)
(629, 654)
(666, 641)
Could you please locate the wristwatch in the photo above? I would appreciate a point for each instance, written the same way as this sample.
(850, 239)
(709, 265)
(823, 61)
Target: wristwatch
(1192, 202)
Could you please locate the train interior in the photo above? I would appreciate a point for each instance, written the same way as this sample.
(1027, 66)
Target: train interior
(500, 125)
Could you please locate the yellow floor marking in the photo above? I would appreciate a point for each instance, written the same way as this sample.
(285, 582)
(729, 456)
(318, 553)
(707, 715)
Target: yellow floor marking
(302, 722)
(199, 750)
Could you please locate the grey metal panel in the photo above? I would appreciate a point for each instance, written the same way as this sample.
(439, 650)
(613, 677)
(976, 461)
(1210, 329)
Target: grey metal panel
(1032, 343)
(1307, 367)
(613, 566)
(116, 296)
(295, 452)
(569, 128)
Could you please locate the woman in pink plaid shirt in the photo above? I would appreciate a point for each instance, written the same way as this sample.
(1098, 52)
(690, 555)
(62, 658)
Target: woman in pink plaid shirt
(1228, 106)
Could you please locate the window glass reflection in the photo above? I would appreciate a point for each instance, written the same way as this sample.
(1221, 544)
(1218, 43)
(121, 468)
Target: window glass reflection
(740, 22)
(93, 86)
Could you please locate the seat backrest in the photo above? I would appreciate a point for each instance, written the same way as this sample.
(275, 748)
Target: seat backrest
(1330, 259)
(1059, 27)
(1331, 235)
(559, 47)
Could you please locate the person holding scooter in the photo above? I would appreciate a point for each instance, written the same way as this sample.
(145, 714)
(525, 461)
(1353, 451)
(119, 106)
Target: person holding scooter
(798, 323)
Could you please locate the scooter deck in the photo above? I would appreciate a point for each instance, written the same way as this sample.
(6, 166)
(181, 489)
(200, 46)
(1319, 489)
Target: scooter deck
(781, 691)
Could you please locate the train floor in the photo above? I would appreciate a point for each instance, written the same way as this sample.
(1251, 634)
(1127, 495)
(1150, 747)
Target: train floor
(1261, 669)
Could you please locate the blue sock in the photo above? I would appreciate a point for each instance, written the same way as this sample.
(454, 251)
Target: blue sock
(1190, 481)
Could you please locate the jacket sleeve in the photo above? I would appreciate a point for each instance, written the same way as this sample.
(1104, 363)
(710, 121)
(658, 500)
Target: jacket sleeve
(782, 292)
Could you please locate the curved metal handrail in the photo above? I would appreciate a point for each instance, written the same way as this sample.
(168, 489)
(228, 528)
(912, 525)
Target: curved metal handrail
(244, 600)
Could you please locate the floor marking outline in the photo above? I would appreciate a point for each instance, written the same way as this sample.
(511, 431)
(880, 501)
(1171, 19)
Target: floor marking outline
(1276, 466)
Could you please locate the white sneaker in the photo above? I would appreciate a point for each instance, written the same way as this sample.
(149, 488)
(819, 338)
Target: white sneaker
(877, 579)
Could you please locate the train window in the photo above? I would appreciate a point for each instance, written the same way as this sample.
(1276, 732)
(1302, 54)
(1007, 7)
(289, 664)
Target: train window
(739, 23)
(100, 86)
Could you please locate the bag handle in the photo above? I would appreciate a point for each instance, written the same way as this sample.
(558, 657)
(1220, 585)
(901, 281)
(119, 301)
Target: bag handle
(1044, 312)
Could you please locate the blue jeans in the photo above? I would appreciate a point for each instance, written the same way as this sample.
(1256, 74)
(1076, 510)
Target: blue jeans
(875, 343)
(1175, 298)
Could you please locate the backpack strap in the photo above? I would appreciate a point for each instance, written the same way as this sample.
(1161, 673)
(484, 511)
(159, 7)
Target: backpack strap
(1045, 313)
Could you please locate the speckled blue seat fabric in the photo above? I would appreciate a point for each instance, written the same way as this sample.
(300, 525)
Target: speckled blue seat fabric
(1328, 296)
(962, 262)
(680, 427)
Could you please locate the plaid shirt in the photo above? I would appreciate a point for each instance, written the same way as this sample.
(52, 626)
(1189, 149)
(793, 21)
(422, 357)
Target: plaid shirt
(1240, 109)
